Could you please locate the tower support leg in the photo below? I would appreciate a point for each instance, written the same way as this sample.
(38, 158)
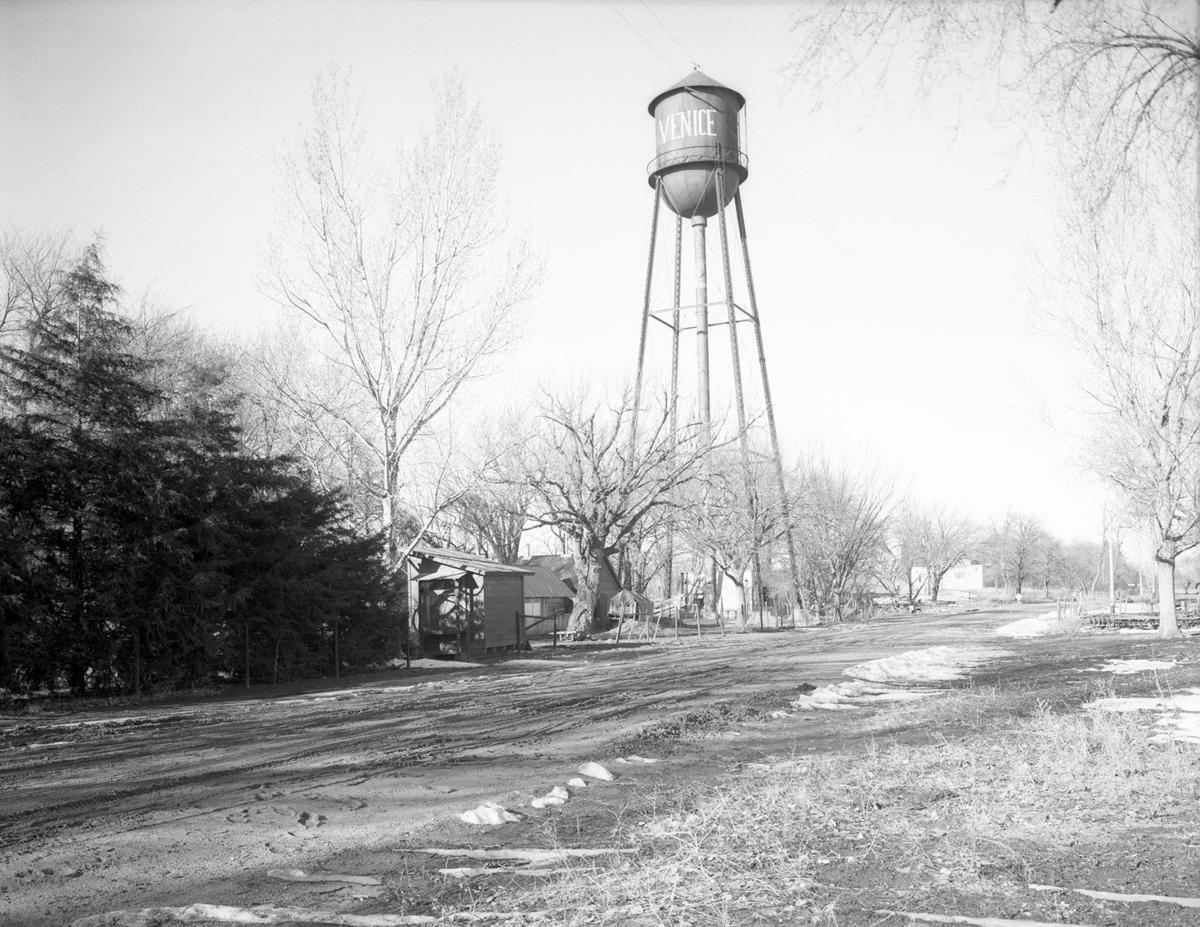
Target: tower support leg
(743, 437)
(703, 400)
(673, 398)
(641, 360)
(793, 561)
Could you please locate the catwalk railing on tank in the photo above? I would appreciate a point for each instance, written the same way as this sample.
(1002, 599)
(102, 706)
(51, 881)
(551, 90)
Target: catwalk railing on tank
(698, 154)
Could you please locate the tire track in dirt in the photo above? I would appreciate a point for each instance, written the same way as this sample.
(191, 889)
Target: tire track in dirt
(533, 714)
(143, 767)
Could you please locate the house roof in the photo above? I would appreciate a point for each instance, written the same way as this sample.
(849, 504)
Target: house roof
(560, 566)
(563, 567)
(469, 562)
(545, 584)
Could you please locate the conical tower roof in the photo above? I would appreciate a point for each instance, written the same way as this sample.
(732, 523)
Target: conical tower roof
(697, 80)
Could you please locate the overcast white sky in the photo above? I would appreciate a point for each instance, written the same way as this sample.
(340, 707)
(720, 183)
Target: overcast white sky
(889, 241)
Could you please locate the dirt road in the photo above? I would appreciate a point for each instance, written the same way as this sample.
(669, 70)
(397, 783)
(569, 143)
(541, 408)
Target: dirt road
(103, 810)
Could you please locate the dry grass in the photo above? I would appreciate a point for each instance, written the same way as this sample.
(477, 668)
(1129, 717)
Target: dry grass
(787, 842)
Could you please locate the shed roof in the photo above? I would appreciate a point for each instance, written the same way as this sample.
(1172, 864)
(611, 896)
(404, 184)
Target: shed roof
(628, 599)
(545, 584)
(469, 562)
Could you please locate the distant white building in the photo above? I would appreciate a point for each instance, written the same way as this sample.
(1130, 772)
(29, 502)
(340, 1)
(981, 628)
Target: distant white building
(964, 576)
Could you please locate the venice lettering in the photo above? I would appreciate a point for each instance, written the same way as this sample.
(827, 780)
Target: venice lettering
(686, 123)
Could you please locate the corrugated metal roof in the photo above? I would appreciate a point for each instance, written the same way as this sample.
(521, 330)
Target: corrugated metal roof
(697, 80)
(544, 584)
(471, 562)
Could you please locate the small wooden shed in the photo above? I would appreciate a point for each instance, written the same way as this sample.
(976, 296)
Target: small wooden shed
(630, 604)
(463, 604)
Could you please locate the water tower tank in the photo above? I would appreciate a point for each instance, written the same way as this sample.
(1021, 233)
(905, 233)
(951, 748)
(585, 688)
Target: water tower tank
(696, 127)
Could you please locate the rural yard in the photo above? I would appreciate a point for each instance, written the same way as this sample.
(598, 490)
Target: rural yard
(315, 805)
(328, 383)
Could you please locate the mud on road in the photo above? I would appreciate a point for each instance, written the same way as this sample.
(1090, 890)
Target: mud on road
(194, 801)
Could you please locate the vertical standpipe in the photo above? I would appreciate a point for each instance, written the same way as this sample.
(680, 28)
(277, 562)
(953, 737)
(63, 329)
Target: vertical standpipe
(704, 403)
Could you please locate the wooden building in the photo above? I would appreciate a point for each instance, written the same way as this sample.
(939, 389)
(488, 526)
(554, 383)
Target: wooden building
(563, 566)
(462, 604)
(548, 602)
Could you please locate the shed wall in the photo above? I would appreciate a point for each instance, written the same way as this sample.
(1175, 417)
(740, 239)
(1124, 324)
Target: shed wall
(504, 600)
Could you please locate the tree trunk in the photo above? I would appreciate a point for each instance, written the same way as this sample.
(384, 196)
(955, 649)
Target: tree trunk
(587, 589)
(1164, 572)
(935, 585)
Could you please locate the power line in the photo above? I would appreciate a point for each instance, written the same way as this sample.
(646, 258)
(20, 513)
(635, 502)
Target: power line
(793, 188)
(638, 32)
(667, 30)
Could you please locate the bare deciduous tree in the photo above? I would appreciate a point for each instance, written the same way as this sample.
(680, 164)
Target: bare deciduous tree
(734, 514)
(595, 487)
(1119, 85)
(494, 514)
(900, 555)
(1016, 544)
(406, 275)
(841, 525)
(1120, 67)
(1136, 331)
(945, 537)
(31, 274)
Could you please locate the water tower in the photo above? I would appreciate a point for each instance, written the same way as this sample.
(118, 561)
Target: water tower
(698, 170)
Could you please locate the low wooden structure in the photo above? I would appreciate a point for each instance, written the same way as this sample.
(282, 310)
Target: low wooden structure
(629, 604)
(463, 605)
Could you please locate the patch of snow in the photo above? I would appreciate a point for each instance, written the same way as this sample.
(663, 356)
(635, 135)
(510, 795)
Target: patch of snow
(528, 856)
(428, 663)
(1128, 667)
(466, 872)
(974, 921)
(301, 875)
(577, 782)
(489, 813)
(928, 665)
(1182, 902)
(1180, 714)
(1189, 702)
(857, 694)
(594, 770)
(633, 758)
(1043, 624)
(259, 914)
(556, 796)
